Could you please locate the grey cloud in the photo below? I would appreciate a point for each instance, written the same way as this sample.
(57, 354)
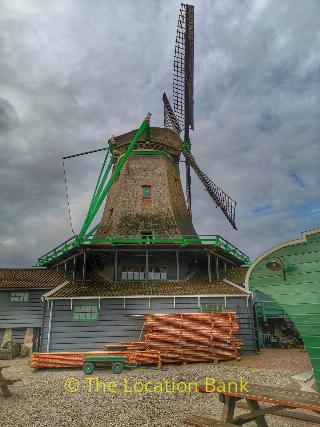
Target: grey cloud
(8, 116)
(77, 72)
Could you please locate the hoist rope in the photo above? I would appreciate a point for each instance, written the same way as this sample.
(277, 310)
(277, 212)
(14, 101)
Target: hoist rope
(67, 195)
(65, 178)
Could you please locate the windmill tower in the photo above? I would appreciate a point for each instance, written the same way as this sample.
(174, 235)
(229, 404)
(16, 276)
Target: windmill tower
(147, 198)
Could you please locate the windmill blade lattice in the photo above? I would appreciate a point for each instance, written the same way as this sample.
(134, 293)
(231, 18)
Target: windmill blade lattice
(183, 66)
(169, 118)
(180, 117)
(221, 199)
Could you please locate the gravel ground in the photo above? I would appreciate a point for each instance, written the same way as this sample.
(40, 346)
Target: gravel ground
(274, 358)
(41, 399)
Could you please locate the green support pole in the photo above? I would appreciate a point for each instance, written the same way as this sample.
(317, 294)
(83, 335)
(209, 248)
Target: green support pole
(99, 188)
(99, 198)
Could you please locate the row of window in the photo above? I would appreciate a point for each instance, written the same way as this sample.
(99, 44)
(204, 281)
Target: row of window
(85, 312)
(17, 297)
(79, 312)
(139, 273)
(211, 308)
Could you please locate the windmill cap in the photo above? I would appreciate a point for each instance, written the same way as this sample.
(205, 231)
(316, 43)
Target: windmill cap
(162, 139)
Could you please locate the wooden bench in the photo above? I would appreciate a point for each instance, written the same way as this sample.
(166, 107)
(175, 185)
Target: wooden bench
(200, 421)
(4, 383)
(289, 413)
(278, 401)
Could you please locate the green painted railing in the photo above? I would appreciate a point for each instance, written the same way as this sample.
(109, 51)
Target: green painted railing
(214, 241)
(265, 310)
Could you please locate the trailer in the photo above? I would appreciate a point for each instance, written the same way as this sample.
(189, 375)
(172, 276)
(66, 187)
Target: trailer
(117, 363)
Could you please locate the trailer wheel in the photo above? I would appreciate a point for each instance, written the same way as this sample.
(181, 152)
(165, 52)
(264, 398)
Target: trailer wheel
(88, 368)
(117, 367)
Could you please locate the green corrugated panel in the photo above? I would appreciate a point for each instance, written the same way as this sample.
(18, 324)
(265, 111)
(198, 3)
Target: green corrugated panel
(299, 294)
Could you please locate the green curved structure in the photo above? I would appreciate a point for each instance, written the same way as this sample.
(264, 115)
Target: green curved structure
(295, 286)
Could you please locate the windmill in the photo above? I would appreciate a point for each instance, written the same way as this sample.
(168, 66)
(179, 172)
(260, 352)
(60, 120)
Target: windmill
(140, 183)
(180, 117)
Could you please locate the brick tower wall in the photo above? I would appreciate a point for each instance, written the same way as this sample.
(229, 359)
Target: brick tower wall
(128, 212)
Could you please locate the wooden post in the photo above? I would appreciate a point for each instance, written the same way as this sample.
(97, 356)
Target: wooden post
(84, 267)
(116, 266)
(49, 326)
(209, 266)
(178, 266)
(228, 409)
(217, 267)
(225, 268)
(147, 266)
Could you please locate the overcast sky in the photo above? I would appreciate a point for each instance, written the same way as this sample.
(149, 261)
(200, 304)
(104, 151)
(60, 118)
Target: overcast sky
(73, 73)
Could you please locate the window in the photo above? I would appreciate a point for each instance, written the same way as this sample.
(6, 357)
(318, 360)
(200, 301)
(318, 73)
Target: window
(133, 272)
(19, 297)
(138, 272)
(146, 191)
(157, 273)
(85, 312)
(211, 308)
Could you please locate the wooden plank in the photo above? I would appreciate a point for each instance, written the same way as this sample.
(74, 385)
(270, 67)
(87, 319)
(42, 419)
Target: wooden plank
(276, 395)
(290, 413)
(292, 398)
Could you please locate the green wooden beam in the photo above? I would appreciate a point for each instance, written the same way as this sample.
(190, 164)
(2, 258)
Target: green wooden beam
(103, 190)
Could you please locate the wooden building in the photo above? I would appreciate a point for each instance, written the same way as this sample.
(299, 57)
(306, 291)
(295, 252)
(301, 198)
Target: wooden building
(68, 314)
(289, 273)
(143, 257)
(21, 304)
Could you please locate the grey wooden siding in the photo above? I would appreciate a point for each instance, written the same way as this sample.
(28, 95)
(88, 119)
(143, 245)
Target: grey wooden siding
(21, 315)
(124, 323)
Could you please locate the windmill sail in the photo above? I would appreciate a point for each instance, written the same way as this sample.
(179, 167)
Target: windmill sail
(183, 66)
(183, 80)
(221, 199)
(170, 120)
(180, 117)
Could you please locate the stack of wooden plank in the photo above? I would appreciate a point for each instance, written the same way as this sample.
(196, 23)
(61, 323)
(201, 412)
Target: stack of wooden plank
(76, 359)
(194, 337)
(57, 360)
(169, 338)
(145, 357)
